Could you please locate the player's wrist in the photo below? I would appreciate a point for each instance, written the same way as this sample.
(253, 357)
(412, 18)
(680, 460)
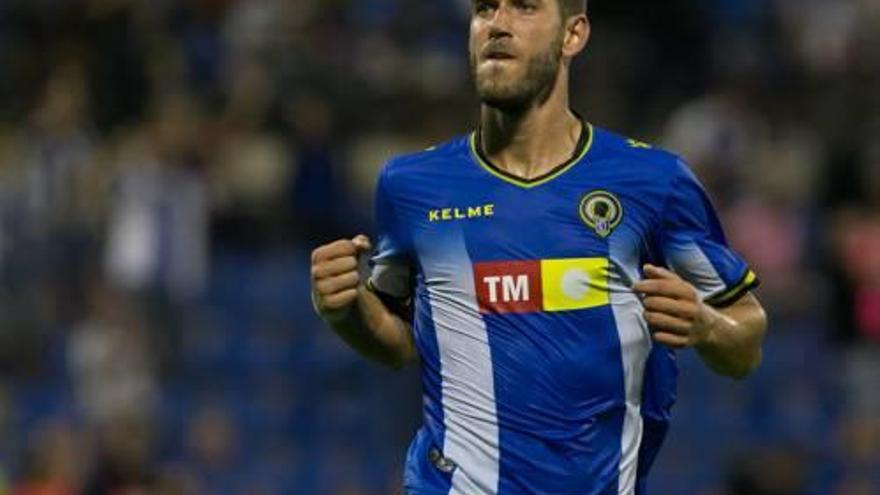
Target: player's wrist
(331, 315)
(707, 327)
(718, 328)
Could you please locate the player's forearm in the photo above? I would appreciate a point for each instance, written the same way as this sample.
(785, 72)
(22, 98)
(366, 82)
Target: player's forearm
(370, 328)
(732, 346)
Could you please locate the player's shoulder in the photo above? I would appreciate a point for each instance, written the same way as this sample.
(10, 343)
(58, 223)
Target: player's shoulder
(411, 166)
(612, 146)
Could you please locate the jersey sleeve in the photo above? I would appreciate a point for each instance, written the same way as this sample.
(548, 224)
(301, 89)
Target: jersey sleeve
(391, 272)
(693, 244)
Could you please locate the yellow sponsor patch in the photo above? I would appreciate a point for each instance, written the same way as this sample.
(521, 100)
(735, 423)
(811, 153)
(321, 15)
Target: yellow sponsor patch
(574, 283)
(530, 286)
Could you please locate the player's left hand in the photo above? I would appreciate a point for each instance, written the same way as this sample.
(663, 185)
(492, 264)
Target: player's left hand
(673, 309)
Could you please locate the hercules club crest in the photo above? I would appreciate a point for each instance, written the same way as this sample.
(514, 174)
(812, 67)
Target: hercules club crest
(601, 211)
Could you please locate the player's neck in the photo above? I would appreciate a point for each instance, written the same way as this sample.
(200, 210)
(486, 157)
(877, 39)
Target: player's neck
(531, 142)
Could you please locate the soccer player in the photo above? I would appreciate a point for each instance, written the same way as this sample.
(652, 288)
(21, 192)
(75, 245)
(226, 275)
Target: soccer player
(544, 271)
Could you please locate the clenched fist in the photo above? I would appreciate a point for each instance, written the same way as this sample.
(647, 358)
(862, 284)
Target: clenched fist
(335, 277)
(673, 310)
(728, 340)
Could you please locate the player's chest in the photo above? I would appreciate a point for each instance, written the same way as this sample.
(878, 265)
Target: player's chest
(530, 250)
(496, 223)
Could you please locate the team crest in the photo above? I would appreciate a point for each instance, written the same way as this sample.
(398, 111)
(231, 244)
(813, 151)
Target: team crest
(601, 211)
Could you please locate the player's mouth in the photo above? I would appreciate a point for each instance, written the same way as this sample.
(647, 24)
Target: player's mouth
(496, 54)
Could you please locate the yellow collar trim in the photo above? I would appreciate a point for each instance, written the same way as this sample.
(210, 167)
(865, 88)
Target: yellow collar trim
(528, 184)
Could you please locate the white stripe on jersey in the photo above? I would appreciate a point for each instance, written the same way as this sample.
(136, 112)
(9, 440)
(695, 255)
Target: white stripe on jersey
(690, 261)
(635, 345)
(468, 389)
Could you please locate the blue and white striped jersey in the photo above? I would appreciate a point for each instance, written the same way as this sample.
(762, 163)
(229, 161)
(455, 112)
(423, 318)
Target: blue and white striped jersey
(539, 373)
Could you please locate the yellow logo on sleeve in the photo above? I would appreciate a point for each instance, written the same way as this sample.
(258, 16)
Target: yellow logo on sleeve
(575, 283)
(634, 143)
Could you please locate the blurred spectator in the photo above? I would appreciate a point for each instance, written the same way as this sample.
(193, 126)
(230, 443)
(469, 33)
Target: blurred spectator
(125, 461)
(158, 216)
(54, 462)
(857, 486)
(319, 200)
(212, 446)
(58, 148)
(858, 449)
(252, 163)
(111, 359)
(770, 471)
(115, 46)
(857, 239)
(177, 480)
(719, 135)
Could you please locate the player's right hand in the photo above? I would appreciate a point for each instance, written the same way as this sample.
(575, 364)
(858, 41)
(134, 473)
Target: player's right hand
(335, 277)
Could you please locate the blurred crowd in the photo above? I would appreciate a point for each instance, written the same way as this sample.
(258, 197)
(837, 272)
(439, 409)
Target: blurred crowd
(166, 166)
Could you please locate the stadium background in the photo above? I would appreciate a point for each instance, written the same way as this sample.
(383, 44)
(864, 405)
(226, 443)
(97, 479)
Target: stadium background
(166, 166)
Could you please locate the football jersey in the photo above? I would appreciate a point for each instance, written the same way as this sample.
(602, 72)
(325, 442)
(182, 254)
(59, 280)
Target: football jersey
(539, 373)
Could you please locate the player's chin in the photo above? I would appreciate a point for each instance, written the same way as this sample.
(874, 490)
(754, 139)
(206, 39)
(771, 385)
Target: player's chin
(502, 98)
(503, 104)
(498, 73)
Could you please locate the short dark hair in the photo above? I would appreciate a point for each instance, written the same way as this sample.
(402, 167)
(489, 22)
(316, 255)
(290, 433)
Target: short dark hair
(569, 8)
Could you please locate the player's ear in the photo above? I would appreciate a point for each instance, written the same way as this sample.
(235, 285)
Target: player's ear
(576, 36)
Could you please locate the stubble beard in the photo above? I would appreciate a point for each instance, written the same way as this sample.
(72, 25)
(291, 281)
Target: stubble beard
(516, 95)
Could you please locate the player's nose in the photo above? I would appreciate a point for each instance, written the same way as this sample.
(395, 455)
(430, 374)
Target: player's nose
(499, 23)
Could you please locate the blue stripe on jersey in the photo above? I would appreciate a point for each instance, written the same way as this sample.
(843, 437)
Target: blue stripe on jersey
(552, 442)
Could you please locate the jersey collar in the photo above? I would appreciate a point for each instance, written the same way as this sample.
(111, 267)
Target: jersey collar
(585, 142)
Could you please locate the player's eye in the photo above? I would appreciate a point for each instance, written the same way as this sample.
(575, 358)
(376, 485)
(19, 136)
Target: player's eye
(526, 6)
(483, 7)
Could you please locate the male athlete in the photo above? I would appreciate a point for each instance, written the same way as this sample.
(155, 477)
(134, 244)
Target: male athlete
(544, 271)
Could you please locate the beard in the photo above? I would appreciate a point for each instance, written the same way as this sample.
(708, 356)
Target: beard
(498, 91)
